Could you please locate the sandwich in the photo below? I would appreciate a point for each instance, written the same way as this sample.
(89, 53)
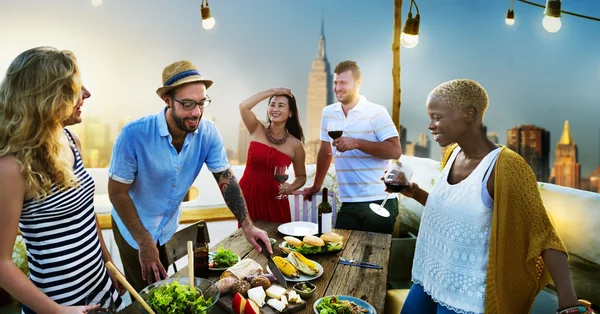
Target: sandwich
(312, 244)
(309, 245)
(333, 241)
(291, 244)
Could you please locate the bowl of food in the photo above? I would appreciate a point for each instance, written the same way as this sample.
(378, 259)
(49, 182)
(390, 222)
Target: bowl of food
(222, 259)
(173, 295)
(305, 289)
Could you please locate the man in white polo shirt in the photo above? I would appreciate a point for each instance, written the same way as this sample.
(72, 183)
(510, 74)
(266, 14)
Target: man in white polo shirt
(369, 141)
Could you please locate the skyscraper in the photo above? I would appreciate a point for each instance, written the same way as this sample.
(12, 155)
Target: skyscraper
(422, 148)
(533, 144)
(493, 136)
(319, 95)
(566, 170)
(403, 138)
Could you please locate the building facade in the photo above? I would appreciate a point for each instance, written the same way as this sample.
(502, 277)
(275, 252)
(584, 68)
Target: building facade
(319, 95)
(533, 144)
(567, 170)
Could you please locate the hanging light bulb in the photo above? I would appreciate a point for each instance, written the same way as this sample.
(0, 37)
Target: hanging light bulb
(551, 20)
(510, 18)
(96, 2)
(410, 35)
(208, 22)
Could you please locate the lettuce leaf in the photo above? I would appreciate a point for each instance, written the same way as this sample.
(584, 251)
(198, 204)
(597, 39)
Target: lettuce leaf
(175, 298)
(224, 258)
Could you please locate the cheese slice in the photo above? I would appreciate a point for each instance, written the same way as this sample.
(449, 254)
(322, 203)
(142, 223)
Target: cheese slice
(275, 292)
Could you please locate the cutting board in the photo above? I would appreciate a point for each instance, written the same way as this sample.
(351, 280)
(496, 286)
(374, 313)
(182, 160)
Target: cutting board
(225, 303)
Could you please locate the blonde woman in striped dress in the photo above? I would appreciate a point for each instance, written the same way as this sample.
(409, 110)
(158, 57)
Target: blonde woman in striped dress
(45, 191)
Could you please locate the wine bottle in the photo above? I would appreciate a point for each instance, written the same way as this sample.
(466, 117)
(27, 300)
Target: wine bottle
(201, 255)
(325, 214)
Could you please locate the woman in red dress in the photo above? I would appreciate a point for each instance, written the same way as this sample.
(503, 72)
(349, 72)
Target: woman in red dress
(275, 143)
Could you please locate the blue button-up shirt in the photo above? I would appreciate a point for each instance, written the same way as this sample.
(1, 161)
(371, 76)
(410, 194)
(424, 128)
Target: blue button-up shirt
(144, 157)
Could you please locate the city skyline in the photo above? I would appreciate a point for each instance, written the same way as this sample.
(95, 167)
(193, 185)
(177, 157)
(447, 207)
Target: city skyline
(532, 77)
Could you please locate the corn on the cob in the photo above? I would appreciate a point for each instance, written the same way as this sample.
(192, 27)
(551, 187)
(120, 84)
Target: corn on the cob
(305, 261)
(286, 267)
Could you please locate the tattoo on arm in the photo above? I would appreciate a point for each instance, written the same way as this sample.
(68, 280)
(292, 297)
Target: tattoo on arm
(232, 194)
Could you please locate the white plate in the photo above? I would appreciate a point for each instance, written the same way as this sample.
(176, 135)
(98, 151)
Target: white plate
(299, 228)
(211, 256)
(303, 277)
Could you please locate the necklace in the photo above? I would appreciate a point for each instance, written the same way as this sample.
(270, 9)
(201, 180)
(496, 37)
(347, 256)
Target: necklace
(276, 141)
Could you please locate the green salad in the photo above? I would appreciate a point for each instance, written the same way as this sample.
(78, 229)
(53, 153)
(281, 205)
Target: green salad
(224, 258)
(333, 305)
(175, 298)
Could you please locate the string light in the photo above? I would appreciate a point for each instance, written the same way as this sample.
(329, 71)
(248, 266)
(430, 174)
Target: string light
(208, 22)
(410, 35)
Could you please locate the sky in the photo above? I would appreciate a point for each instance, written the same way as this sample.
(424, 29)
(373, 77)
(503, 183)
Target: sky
(532, 76)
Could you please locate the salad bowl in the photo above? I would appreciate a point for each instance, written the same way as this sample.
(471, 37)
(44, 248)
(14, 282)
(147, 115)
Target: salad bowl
(173, 295)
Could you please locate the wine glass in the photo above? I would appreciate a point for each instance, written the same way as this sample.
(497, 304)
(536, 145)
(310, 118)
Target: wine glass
(101, 303)
(281, 176)
(396, 179)
(335, 129)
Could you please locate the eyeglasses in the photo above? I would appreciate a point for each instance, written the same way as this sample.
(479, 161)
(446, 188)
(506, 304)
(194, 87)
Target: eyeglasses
(190, 104)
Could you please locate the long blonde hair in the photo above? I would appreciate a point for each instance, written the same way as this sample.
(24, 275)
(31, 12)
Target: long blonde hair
(39, 92)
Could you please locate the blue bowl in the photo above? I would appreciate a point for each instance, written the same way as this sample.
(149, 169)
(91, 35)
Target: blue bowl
(357, 301)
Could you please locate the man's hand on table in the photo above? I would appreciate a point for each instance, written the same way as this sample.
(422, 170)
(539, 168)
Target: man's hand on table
(253, 233)
(150, 262)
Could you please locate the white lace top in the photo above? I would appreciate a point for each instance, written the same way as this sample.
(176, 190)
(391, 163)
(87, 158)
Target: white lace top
(451, 253)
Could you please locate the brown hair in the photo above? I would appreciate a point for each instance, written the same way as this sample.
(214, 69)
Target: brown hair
(348, 65)
(292, 124)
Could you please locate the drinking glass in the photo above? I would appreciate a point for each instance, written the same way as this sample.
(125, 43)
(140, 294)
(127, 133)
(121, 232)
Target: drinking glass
(102, 303)
(281, 176)
(396, 179)
(335, 129)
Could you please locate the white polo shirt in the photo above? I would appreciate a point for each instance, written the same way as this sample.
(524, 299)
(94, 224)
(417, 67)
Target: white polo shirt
(358, 173)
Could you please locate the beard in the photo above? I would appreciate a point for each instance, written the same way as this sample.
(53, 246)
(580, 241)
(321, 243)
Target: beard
(349, 96)
(180, 122)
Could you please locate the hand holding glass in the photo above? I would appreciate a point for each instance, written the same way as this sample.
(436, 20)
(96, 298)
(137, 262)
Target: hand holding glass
(396, 179)
(281, 176)
(335, 129)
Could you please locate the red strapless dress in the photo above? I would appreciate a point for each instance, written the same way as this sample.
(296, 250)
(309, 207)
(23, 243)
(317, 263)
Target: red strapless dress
(259, 186)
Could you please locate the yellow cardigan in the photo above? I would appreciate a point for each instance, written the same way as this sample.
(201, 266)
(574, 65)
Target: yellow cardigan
(521, 231)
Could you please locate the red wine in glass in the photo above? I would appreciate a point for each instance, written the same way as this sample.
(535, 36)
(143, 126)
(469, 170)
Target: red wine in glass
(393, 187)
(281, 177)
(335, 134)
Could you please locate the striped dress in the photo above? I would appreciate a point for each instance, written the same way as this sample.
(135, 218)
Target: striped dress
(63, 247)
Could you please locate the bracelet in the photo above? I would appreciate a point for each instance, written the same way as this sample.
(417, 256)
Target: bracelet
(578, 309)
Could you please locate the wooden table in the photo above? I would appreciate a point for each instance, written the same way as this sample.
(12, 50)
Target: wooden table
(337, 279)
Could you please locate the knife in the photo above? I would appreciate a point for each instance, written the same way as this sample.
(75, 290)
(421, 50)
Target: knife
(272, 266)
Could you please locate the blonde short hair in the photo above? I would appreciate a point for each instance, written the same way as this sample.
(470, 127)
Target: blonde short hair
(461, 94)
(38, 93)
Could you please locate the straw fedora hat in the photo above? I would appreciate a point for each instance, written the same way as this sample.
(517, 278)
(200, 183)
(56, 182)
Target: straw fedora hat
(179, 73)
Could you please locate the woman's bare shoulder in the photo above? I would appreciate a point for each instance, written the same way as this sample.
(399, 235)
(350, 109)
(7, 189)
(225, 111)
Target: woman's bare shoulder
(10, 172)
(9, 165)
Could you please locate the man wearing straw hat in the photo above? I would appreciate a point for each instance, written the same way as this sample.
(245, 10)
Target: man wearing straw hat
(155, 160)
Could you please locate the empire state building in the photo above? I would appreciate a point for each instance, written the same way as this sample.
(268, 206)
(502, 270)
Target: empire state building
(319, 95)
(567, 170)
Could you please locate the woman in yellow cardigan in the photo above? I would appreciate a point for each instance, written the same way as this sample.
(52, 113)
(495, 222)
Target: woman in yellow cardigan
(485, 242)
